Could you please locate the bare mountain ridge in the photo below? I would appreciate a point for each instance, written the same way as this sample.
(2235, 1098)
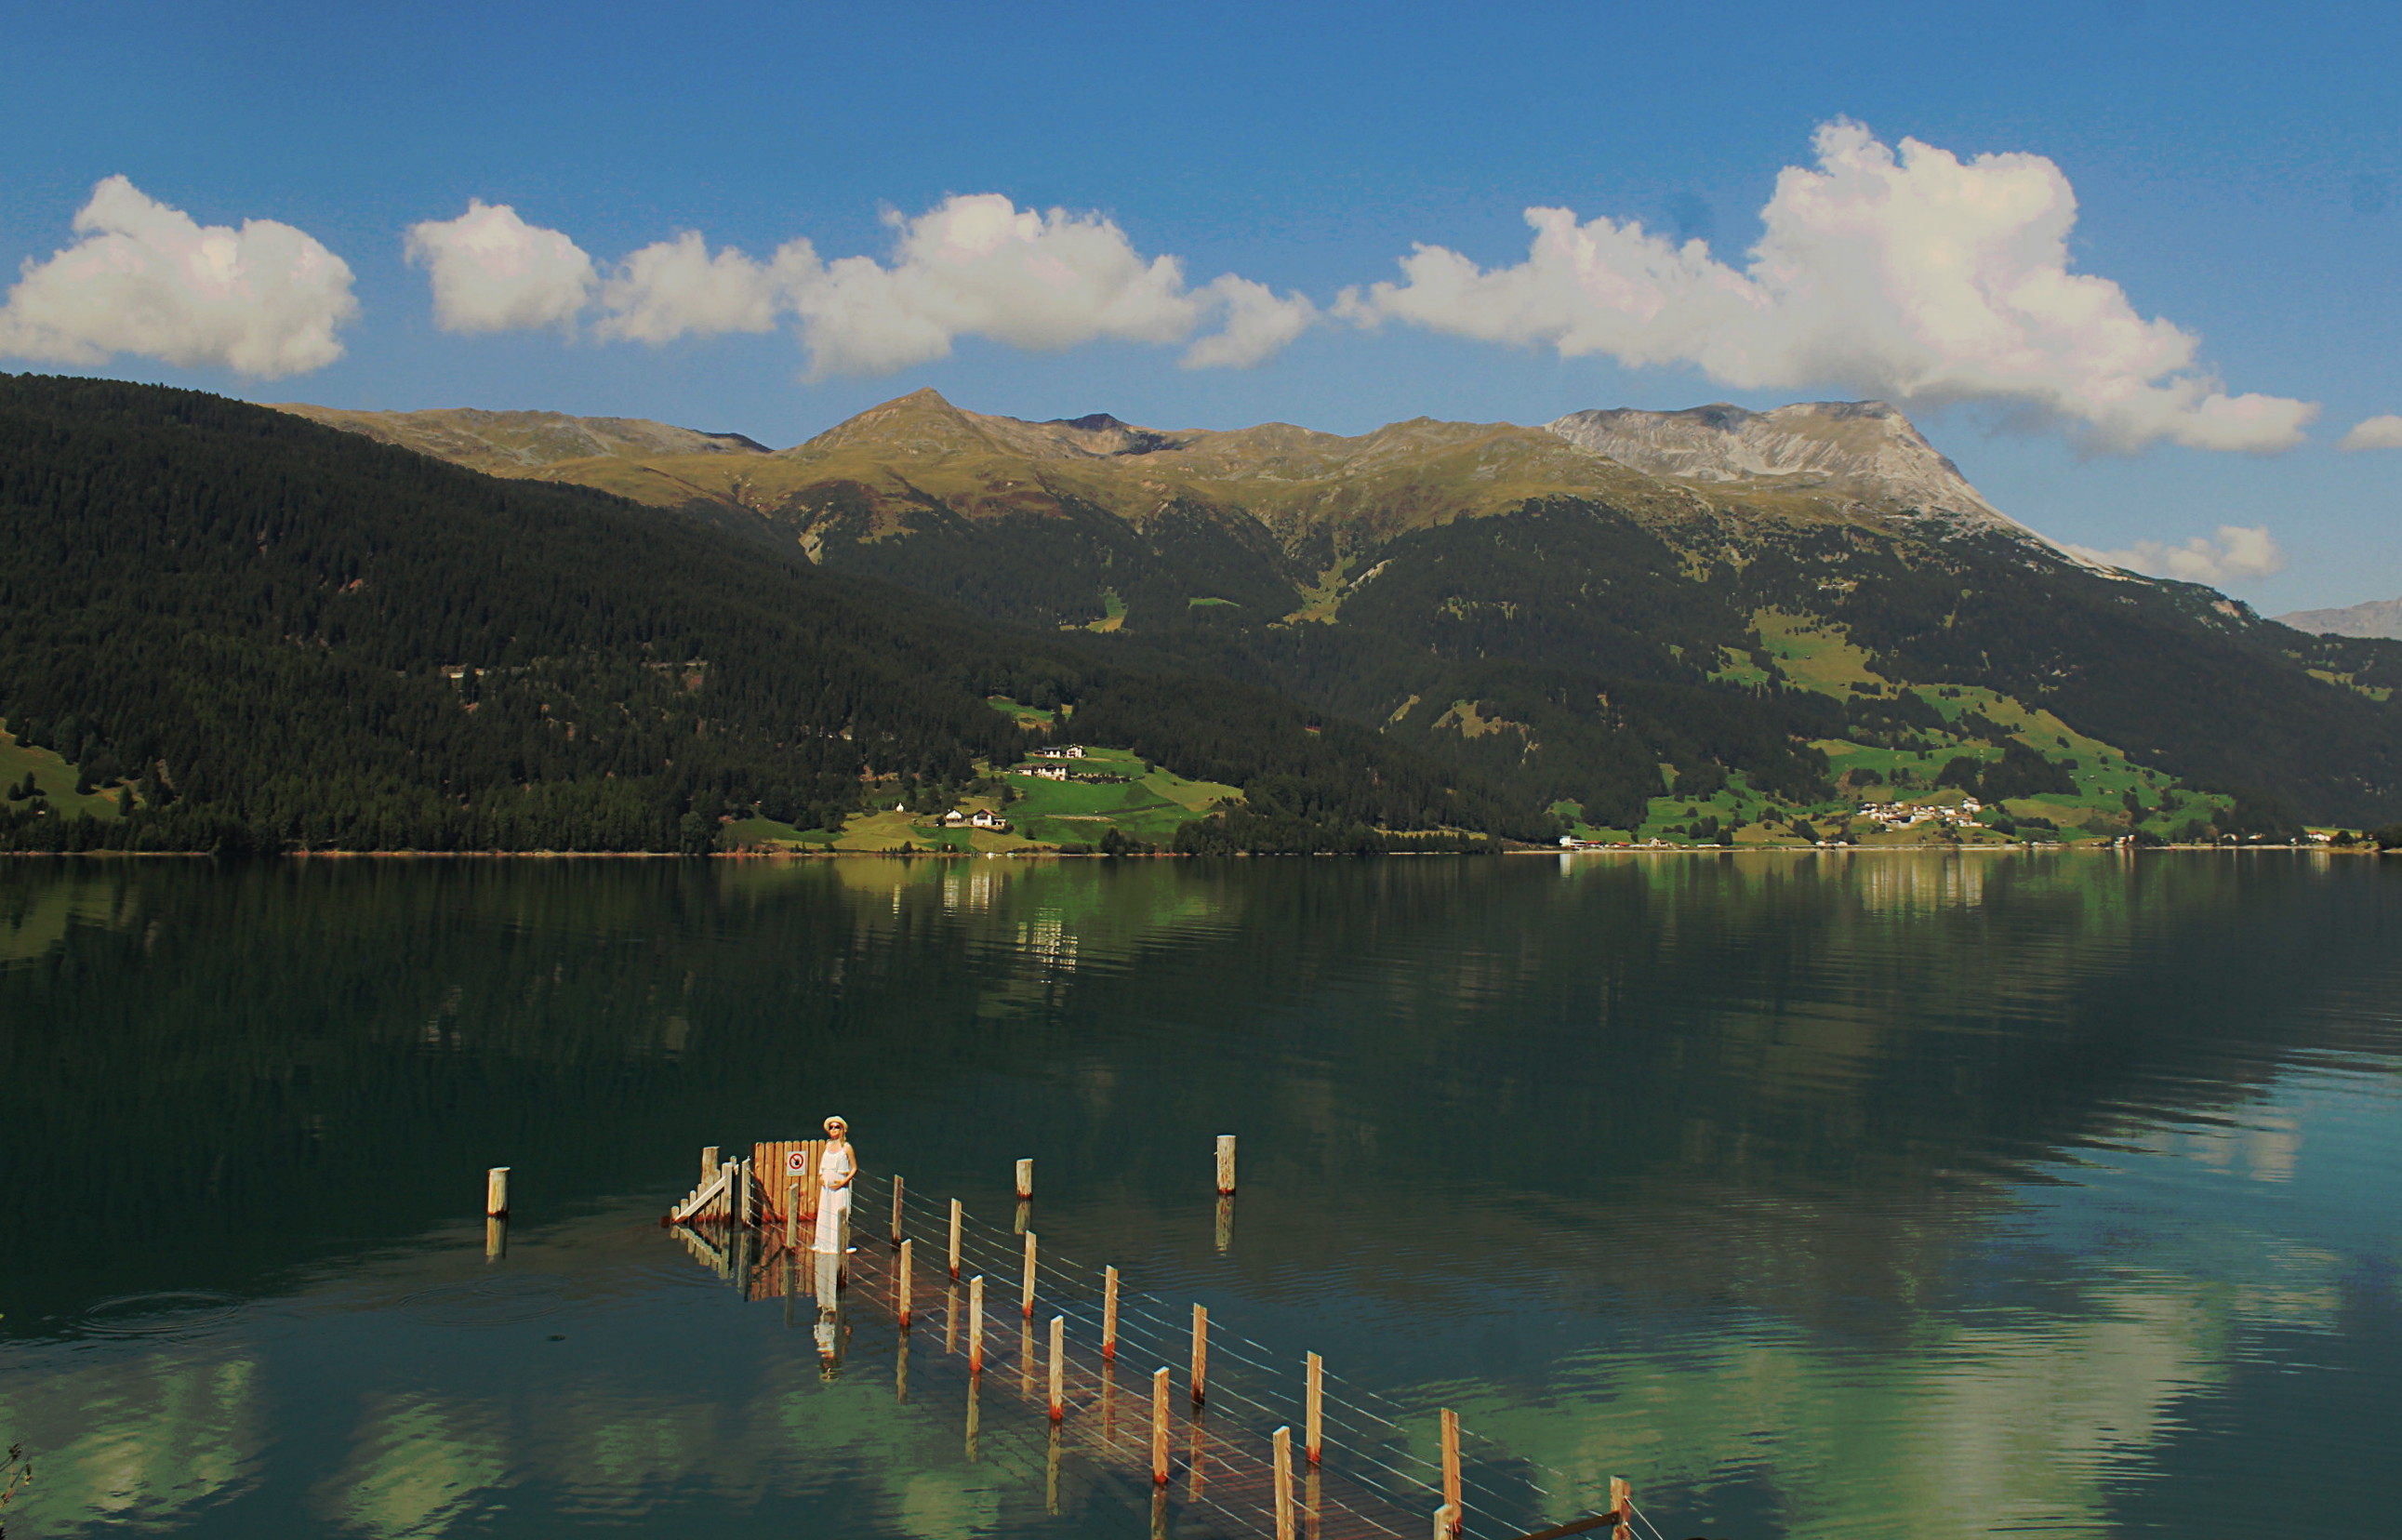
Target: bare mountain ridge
(2378, 617)
(1863, 449)
(1845, 460)
(515, 442)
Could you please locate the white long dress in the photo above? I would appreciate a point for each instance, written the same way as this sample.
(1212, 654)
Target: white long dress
(833, 1202)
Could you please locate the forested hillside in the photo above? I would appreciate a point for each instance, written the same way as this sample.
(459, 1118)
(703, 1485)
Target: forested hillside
(246, 631)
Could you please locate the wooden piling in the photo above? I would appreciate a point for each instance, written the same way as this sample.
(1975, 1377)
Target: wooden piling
(1109, 1315)
(1058, 1368)
(1313, 1423)
(1226, 1223)
(955, 1238)
(708, 1161)
(792, 1215)
(1225, 1165)
(1622, 1503)
(1200, 1353)
(903, 1301)
(975, 1325)
(1451, 1495)
(1025, 1182)
(496, 1192)
(1446, 1523)
(1283, 1440)
(1159, 1426)
(896, 1209)
(1025, 1291)
(496, 1237)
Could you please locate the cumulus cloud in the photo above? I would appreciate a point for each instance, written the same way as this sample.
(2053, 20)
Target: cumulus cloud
(973, 265)
(676, 288)
(266, 300)
(1259, 325)
(979, 266)
(2375, 433)
(2233, 555)
(1910, 275)
(494, 272)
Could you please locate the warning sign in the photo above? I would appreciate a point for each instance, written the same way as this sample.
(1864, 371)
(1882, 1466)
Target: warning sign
(796, 1161)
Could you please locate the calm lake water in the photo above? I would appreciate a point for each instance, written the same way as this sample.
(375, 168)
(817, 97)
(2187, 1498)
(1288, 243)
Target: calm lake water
(1869, 1195)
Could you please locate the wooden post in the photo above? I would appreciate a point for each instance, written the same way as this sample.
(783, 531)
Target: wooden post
(955, 1238)
(1225, 1165)
(1025, 1182)
(1284, 1484)
(896, 1209)
(1200, 1353)
(496, 1237)
(900, 1289)
(1109, 1315)
(1058, 1368)
(1451, 1465)
(1446, 1523)
(1622, 1503)
(708, 1161)
(975, 1325)
(1026, 1293)
(1313, 1423)
(496, 1193)
(792, 1215)
(742, 1192)
(1159, 1428)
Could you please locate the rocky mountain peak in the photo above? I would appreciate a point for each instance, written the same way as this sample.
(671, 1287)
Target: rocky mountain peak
(1860, 449)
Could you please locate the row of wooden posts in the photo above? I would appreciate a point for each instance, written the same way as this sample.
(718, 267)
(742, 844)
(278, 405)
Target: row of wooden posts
(735, 1204)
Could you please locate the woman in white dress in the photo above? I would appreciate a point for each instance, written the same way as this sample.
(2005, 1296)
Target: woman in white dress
(836, 1169)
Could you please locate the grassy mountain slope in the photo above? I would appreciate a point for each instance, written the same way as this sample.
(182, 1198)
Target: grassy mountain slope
(245, 629)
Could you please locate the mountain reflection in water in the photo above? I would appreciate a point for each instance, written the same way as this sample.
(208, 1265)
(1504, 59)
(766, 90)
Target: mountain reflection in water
(1888, 1195)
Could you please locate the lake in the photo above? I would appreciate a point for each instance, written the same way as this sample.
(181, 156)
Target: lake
(1815, 1194)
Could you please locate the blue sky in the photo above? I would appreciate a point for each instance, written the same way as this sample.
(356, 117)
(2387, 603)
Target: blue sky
(2236, 174)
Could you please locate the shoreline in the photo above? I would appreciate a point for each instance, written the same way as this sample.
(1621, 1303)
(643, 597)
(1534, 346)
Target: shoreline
(1997, 849)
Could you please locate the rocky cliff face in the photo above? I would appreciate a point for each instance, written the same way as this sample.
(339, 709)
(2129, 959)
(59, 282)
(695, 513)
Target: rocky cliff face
(1862, 451)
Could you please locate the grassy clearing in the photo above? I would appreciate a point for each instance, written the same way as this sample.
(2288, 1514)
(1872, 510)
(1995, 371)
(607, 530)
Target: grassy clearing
(54, 779)
(1813, 654)
(1025, 716)
(1148, 805)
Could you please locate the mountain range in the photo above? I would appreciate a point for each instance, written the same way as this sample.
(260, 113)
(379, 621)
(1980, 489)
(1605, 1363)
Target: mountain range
(225, 626)
(1807, 602)
(2378, 617)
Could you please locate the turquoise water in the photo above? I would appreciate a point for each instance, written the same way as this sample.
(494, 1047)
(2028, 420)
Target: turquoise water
(1871, 1195)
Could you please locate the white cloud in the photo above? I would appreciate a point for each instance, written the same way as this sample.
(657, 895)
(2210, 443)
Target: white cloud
(979, 266)
(2377, 433)
(973, 265)
(494, 272)
(676, 288)
(1259, 325)
(1917, 276)
(2233, 555)
(265, 300)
